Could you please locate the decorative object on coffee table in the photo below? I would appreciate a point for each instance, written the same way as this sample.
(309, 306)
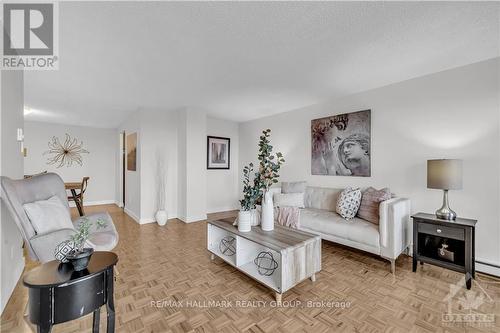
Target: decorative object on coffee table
(227, 246)
(266, 265)
(269, 166)
(58, 294)
(254, 191)
(449, 244)
(248, 203)
(296, 255)
(218, 152)
(445, 175)
(267, 221)
(80, 256)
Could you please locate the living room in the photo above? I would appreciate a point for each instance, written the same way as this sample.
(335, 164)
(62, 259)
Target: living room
(165, 123)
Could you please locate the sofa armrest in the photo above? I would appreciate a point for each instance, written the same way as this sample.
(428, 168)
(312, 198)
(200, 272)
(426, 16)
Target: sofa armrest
(394, 227)
(43, 245)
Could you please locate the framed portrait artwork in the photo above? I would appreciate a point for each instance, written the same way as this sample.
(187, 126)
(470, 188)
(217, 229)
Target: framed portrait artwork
(341, 145)
(218, 152)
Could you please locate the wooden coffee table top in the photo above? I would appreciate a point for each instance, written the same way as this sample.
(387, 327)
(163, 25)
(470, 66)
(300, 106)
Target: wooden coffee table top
(279, 239)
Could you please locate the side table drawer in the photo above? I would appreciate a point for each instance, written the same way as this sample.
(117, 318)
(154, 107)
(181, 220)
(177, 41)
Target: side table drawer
(441, 231)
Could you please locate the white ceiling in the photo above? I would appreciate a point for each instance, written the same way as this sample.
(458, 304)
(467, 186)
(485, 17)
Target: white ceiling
(241, 61)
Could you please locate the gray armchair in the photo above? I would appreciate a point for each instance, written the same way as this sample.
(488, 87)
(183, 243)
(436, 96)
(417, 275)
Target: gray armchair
(16, 193)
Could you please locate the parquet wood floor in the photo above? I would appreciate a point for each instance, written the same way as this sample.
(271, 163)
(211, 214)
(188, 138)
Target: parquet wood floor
(171, 264)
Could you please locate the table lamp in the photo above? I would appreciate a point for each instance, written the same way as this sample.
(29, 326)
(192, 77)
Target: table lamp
(445, 175)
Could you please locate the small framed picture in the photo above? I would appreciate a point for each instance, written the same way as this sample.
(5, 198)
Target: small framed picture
(218, 152)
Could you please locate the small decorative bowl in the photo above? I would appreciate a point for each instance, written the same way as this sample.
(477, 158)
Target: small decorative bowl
(80, 260)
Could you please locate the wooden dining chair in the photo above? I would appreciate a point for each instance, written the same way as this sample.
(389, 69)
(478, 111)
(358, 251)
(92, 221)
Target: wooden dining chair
(78, 197)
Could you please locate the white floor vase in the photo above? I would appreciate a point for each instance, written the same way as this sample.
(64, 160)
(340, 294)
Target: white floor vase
(161, 217)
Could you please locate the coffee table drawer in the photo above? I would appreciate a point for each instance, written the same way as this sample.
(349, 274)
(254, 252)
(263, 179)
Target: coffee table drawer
(441, 231)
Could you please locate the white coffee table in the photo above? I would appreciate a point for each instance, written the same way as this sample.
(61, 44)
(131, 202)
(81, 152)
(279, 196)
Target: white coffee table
(296, 254)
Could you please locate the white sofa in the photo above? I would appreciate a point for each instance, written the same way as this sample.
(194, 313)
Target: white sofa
(389, 239)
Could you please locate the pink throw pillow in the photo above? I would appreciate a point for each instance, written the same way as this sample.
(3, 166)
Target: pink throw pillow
(370, 202)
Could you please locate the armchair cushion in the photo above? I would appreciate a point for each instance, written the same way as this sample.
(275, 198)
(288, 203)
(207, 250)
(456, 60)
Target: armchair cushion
(101, 239)
(48, 215)
(44, 245)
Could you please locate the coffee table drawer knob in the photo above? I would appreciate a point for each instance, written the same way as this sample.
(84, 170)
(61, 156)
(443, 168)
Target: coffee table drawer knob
(438, 231)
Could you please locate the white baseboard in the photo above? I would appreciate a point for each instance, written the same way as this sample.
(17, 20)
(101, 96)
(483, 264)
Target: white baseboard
(147, 220)
(132, 215)
(191, 219)
(488, 267)
(94, 203)
(121, 204)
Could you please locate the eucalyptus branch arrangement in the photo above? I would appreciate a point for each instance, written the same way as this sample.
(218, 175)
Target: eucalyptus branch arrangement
(82, 232)
(265, 177)
(269, 163)
(250, 192)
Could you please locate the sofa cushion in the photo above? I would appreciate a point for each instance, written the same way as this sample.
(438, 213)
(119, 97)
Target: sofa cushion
(348, 203)
(293, 187)
(288, 200)
(356, 230)
(321, 198)
(370, 202)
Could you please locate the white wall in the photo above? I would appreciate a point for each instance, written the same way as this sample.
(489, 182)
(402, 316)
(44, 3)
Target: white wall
(11, 165)
(451, 114)
(193, 150)
(223, 185)
(99, 164)
(159, 138)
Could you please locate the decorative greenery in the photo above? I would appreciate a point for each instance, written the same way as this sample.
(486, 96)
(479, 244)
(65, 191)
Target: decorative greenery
(82, 232)
(269, 163)
(265, 177)
(250, 192)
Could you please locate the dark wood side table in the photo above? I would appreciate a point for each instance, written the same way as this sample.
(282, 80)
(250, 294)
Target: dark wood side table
(58, 294)
(448, 244)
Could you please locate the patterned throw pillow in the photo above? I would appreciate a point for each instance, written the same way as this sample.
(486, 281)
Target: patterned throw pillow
(348, 202)
(370, 202)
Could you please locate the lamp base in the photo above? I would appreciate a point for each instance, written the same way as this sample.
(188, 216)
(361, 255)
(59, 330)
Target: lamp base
(445, 212)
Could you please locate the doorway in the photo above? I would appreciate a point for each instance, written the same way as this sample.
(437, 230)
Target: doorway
(124, 165)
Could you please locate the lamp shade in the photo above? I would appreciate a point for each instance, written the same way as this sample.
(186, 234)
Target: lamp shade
(444, 174)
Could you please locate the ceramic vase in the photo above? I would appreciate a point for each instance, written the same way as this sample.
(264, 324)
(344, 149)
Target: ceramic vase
(161, 217)
(245, 218)
(267, 220)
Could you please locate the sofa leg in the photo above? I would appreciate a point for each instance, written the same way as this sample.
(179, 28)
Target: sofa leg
(393, 266)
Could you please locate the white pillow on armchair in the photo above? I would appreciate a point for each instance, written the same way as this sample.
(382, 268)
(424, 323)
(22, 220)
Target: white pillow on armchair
(48, 215)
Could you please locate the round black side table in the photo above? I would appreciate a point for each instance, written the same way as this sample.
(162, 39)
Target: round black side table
(58, 294)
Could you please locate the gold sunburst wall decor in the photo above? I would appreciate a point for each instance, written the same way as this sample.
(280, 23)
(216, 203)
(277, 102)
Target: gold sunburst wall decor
(66, 153)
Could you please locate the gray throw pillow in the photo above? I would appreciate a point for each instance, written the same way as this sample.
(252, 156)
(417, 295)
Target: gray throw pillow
(293, 187)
